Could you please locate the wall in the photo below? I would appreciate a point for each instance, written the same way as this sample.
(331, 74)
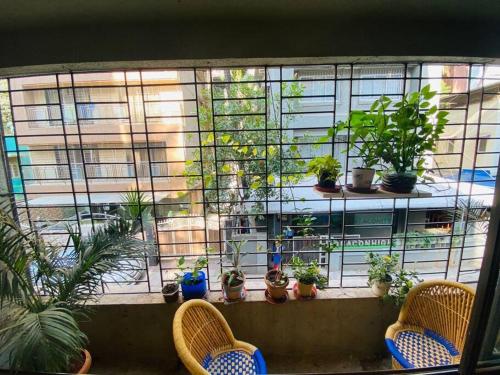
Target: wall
(134, 334)
(72, 34)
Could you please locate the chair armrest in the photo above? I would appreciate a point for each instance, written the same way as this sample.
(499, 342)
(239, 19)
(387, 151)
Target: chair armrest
(392, 329)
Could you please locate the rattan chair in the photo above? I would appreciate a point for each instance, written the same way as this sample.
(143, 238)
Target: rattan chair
(206, 345)
(432, 325)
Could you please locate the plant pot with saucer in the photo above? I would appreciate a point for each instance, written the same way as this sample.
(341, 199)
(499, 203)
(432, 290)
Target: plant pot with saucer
(308, 276)
(233, 279)
(327, 170)
(276, 282)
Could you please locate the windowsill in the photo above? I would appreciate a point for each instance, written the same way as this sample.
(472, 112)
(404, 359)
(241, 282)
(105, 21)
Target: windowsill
(216, 297)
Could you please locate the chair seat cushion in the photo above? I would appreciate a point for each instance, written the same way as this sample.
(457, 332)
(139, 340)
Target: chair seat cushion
(231, 362)
(425, 348)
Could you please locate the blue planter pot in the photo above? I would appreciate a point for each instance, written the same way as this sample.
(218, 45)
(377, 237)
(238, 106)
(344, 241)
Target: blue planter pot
(192, 291)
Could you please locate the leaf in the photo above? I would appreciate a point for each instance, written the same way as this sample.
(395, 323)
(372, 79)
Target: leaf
(226, 168)
(240, 173)
(226, 138)
(255, 185)
(270, 179)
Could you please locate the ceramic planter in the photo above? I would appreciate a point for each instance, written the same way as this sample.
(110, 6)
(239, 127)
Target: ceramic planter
(399, 182)
(275, 292)
(380, 288)
(305, 290)
(232, 293)
(196, 290)
(362, 178)
(170, 292)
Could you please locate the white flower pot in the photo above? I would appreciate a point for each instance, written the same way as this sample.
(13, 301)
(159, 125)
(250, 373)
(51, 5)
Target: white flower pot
(362, 178)
(380, 288)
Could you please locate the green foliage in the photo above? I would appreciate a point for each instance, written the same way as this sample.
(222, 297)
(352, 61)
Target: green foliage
(328, 247)
(325, 168)
(400, 138)
(362, 138)
(382, 267)
(308, 273)
(198, 265)
(41, 333)
(234, 276)
(402, 281)
(304, 224)
(137, 205)
(248, 161)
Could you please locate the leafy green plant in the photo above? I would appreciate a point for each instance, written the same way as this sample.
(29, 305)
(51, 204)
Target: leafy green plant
(328, 247)
(361, 138)
(308, 273)
(402, 137)
(325, 168)
(305, 224)
(382, 267)
(198, 265)
(41, 333)
(402, 281)
(137, 205)
(234, 276)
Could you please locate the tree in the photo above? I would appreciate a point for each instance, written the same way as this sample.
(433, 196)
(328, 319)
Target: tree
(248, 152)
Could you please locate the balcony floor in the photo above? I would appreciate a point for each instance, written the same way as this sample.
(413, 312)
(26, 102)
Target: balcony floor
(276, 365)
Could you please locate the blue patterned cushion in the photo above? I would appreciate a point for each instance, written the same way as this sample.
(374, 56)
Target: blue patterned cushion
(424, 349)
(233, 362)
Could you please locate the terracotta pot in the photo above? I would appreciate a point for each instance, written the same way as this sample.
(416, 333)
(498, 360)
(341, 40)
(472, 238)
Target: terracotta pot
(362, 178)
(380, 288)
(232, 293)
(276, 292)
(87, 363)
(305, 290)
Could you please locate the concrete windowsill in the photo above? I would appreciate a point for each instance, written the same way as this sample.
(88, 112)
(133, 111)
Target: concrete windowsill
(216, 297)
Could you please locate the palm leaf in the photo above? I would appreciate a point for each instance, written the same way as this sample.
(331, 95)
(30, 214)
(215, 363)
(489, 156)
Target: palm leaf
(47, 340)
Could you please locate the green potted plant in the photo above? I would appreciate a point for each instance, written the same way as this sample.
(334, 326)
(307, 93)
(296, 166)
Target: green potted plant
(380, 273)
(404, 136)
(362, 140)
(327, 170)
(402, 281)
(192, 279)
(41, 333)
(233, 279)
(276, 281)
(307, 275)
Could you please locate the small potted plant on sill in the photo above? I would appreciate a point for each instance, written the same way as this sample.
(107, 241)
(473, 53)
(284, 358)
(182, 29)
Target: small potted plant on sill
(308, 276)
(361, 139)
(327, 170)
(233, 280)
(276, 281)
(382, 268)
(170, 292)
(403, 137)
(192, 280)
(402, 281)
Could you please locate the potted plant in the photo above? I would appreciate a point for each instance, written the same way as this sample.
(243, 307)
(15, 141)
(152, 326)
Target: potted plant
(308, 275)
(233, 280)
(403, 137)
(170, 292)
(380, 273)
(362, 140)
(327, 170)
(402, 281)
(193, 280)
(41, 333)
(276, 281)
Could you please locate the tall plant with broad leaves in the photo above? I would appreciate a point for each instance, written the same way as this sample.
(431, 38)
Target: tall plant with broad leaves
(44, 289)
(399, 133)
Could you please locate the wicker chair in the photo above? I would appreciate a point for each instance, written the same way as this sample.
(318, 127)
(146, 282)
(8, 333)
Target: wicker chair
(206, 345)
(432, 325)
